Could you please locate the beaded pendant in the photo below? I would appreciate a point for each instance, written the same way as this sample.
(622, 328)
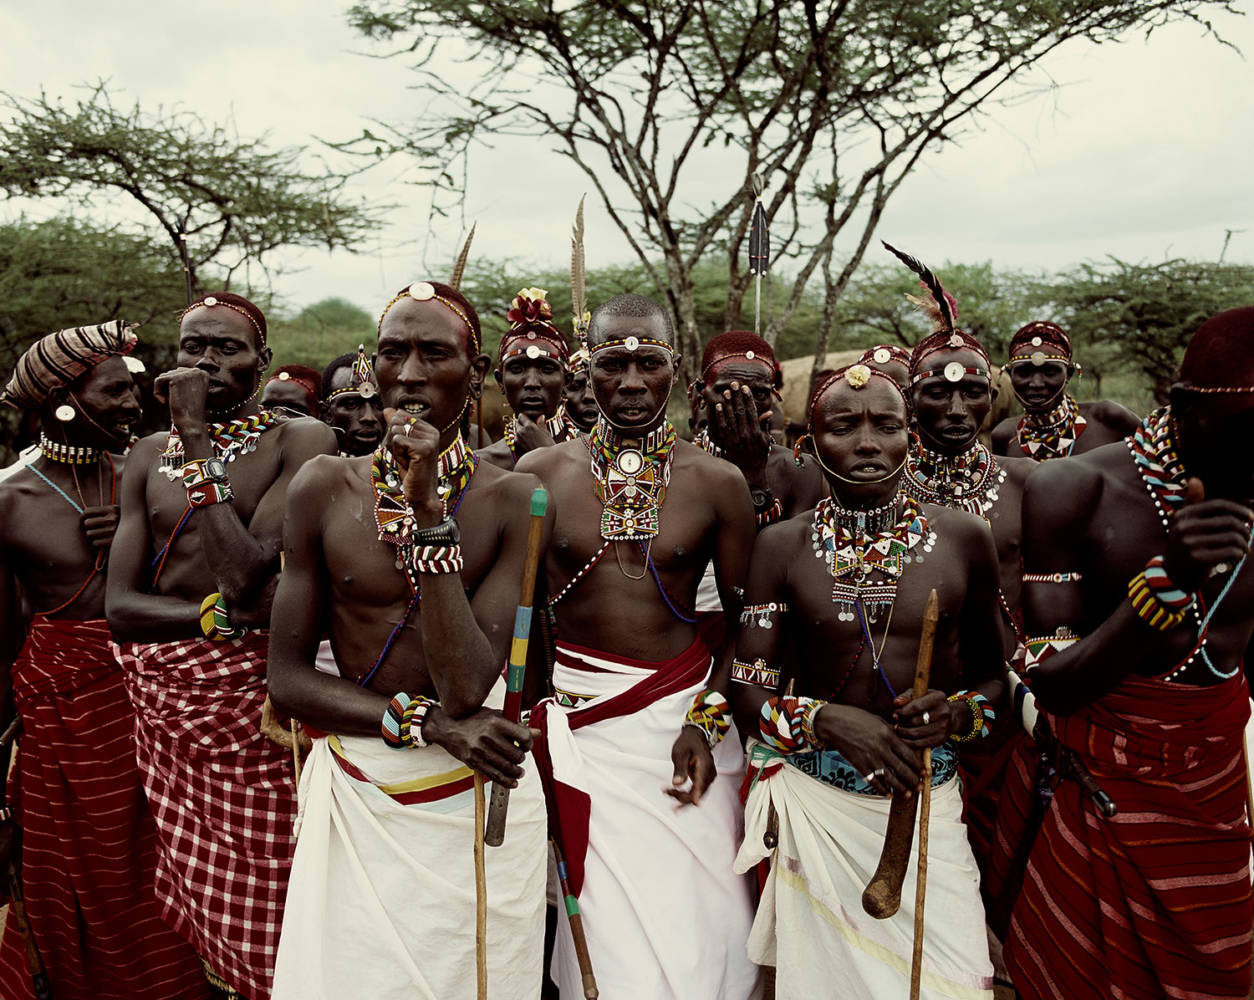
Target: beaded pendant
(229, 439)
(631, 478)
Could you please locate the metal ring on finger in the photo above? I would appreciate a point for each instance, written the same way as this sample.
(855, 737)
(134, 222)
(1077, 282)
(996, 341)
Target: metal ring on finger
(927, 718)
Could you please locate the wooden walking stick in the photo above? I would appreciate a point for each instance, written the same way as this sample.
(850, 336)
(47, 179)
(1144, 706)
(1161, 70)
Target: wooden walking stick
(590, 990)
(495, 835)
(882, 897)
(481, 897)
(920, 884)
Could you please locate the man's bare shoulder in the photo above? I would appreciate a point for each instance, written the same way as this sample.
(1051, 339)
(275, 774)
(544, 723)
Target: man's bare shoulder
(322, 475)
(544, 462)
(1114, 415)
(497, 454)
(721, 472)
(1071, 489)
(506, 493)
(1017, 469)
(959, 525)
(307, 434)
(1003, 434)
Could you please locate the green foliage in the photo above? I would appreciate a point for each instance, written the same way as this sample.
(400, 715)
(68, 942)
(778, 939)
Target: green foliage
(320, 332)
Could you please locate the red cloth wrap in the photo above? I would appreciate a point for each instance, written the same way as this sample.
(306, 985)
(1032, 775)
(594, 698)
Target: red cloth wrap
(1156, 901)
(569, 808)
(89, 842)
(223, 795)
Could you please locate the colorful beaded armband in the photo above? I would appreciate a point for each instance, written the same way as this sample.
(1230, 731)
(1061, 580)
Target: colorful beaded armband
(403, 719)
(756, 672)
(760, 614)
(787, 723)
(1038, 649)
(711, 713)
(1070, 577)
(204, 490)
(981, 716)
(215, 621)
(1164, 589)
(437, 558)
(1150, 607)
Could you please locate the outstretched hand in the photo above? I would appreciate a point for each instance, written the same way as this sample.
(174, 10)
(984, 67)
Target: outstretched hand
(742, 431)
(1205, 536)
(694, 767)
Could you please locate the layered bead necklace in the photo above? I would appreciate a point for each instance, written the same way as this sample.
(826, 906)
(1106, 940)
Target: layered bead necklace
(230, 440)
(969, 481)
(392, 511)
(1054, 434)
(1154, 452)
(631, 476)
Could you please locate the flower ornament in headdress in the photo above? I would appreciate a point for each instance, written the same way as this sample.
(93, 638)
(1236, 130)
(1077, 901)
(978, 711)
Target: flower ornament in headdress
(361, 378)
(531, 330)
(857, 376)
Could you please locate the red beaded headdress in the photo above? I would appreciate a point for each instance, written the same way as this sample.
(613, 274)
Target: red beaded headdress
(531, 331)
(1039, 342)
(740, 344)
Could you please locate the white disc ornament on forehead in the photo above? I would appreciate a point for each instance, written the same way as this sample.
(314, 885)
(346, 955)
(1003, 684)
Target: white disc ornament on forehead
(1036, 341)
(421, 290)
(882, 356)
(954, 372)
(632, 343)
(210, 301)
(629, 462)
(533, 352)
(365, 390)
(1038, 358)
(284, 376)
(750, 355)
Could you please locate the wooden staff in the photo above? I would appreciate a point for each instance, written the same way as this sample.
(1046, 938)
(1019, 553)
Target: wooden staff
(517, 671)
(590, 990)
(481, 897)
(920, 884)
(882, 897)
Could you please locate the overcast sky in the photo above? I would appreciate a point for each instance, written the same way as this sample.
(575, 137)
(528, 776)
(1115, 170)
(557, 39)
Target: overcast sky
(1144, 151)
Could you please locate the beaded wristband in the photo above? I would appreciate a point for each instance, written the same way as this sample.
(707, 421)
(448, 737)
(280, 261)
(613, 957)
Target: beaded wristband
(1069, 577)
(805, 717)
(1164, 589)
(711, 713)
(776, 726)
(403, 719)
(203, 489)
(215, 621)
(981, 715)
(437, 558)
(1149, 608)
(756, 672)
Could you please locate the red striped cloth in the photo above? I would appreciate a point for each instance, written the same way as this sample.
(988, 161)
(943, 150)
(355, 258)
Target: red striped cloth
(223, 795)
(1155, 902)
(89, 842)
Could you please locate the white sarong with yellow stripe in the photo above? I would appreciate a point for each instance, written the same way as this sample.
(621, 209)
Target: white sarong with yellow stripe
(810, 923)
(381, 901)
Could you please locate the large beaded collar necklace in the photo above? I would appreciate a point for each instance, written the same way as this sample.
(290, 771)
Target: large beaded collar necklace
(969, 481)
(858, 543)
(67, 454)
(1053, 434)
(560, 426)
(392, 511)
(230, 440)
(631, 475)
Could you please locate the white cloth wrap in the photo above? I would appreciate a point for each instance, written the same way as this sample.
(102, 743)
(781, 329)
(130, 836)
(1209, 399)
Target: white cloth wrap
(381, 902)
(810, 923)
(665, 916)
(708, 598)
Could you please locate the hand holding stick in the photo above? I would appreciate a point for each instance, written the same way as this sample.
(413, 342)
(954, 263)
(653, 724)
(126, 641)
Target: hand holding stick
(882, 897)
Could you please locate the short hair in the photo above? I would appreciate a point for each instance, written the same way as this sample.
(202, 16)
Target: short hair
(301, 375)
(635, 306)
(740, 344)
(328, 373)
(249, 310)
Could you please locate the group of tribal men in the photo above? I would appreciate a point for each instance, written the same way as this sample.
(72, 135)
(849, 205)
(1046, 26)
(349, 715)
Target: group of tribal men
(718, 728)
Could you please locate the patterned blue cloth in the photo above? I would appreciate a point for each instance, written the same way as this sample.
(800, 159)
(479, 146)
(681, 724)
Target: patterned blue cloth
(830, 767)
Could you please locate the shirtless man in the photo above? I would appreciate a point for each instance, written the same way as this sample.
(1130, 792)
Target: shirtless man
(639, 514)
(1054, 425)
(1139, 605)
(190, 586)
(350, 403)
(531, 371)
(421, 626)
(292, 389)
(892, 359)
(581, 405)
(88, 839)
(852, 734)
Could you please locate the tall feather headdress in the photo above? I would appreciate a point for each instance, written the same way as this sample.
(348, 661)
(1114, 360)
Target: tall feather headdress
(581, 317)
(940, 308)
(459, 265)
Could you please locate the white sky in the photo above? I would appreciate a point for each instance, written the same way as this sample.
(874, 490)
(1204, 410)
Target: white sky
(1144, 151)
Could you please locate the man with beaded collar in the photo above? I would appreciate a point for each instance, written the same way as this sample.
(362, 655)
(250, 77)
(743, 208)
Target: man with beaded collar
(531, 371)
(637, 706)
(1054, 425)
(1138, 600)
(89, 841)
(419, 599)
(824, 762)
(190, 587)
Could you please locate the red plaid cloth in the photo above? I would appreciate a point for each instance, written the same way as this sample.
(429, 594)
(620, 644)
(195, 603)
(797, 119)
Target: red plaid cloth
(223, 795)
(89, 842)
(1154, 902)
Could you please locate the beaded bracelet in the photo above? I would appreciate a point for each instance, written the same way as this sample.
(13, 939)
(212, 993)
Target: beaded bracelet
(760, 614)
(437, 558)
(215, 620)
(1069, 577)
(756, 672)
(711, 713)
(981, 715)
(1149, 608)
(787, 723)
(203, 490)
(1164, 589)
(403, 719)
(806, 716)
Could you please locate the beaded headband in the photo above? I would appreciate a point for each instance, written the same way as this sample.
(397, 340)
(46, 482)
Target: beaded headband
(886, 354)
(1031, 351)
(1208, 389)
(856, 376)
(952, 372)
(749, 355)
(210, 301)
(361, 378)
(424, 291)
(632, 344)
(531, 331)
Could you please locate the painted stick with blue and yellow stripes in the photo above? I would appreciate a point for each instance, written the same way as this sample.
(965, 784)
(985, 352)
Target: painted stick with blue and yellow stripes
(494, 836)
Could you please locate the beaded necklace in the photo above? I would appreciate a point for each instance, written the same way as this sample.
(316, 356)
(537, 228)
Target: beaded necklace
(230, 440)
(969, 481)
(392, 511)
(631, 475)
(857, 543)
(1158, 463)
(1054, 434)
(67, 454)
(560, 426)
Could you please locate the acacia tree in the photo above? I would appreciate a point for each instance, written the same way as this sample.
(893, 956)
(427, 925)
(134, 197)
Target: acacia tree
(671, 106)
(235, 200)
